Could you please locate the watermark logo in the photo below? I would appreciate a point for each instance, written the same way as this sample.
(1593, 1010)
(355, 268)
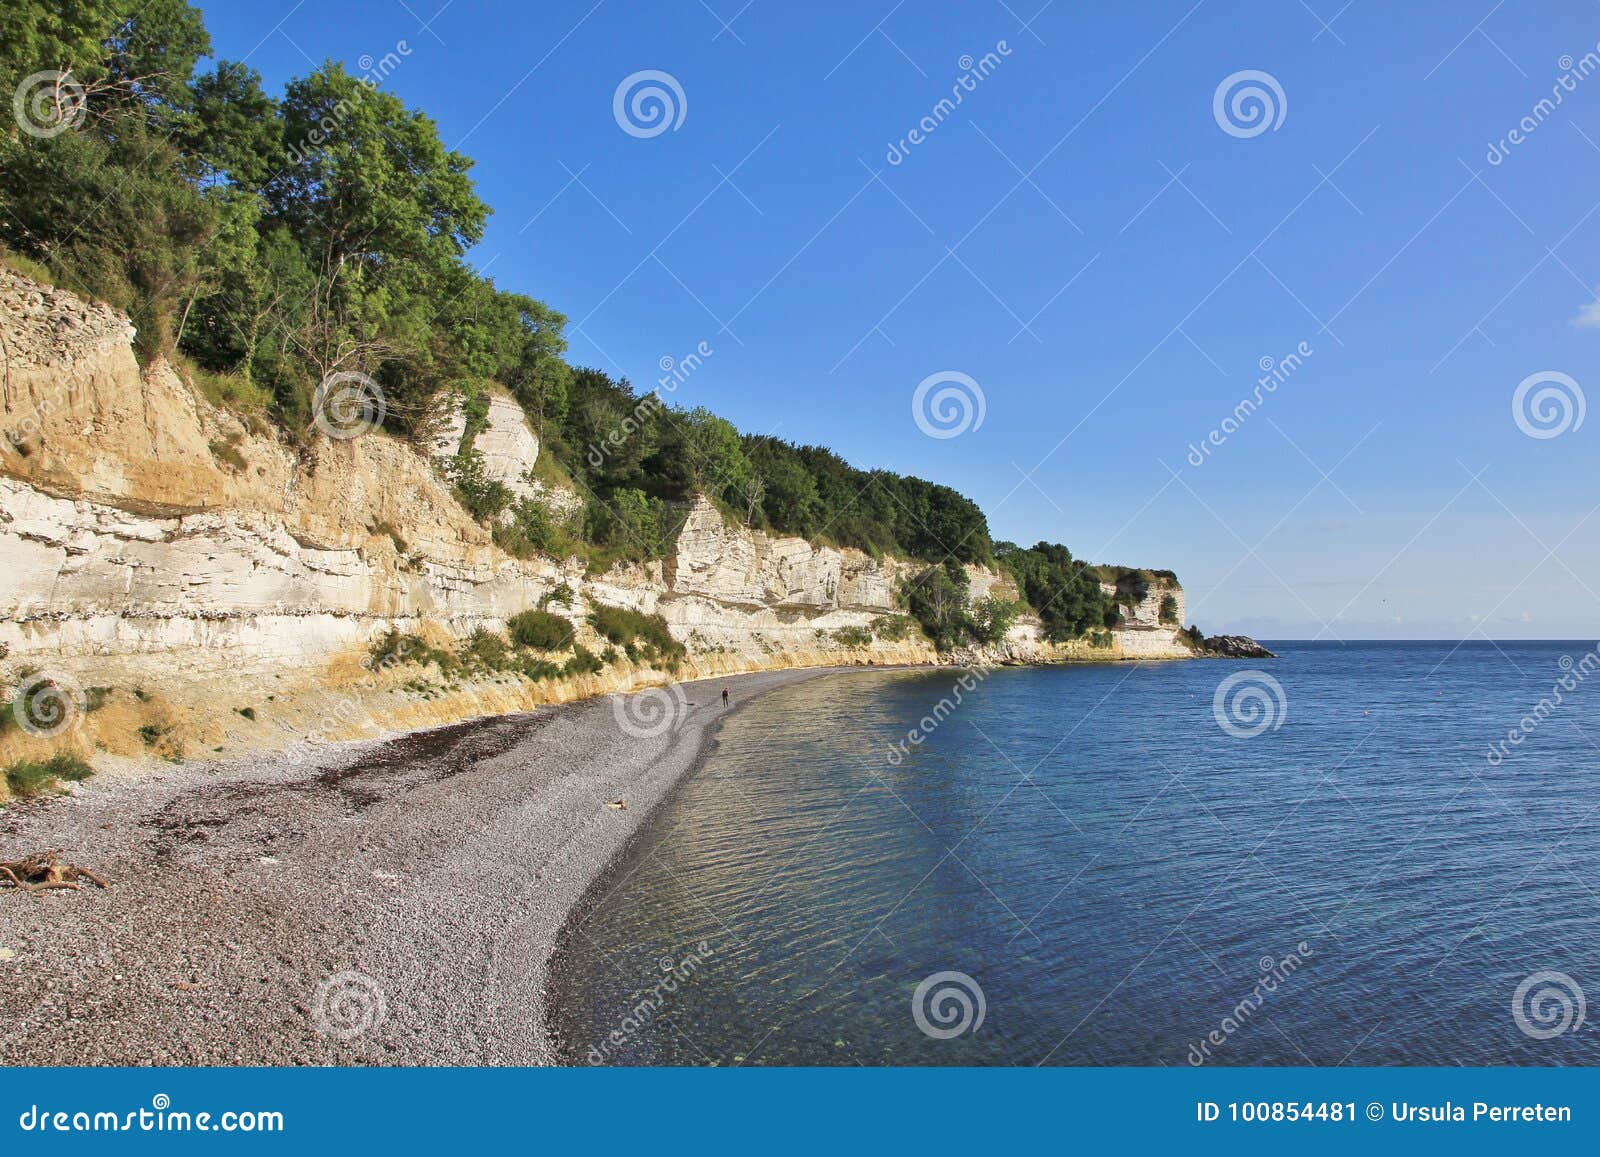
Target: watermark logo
(348, 404)
(648, 103)
(674, 372)
(373, 74)
(653, 1001)
(1274, 372)
(1248, 703)
(48, 104)
(948, 404)
(973, 72)
(348, 1004)
(1548, 404)
(900, 750)
(1573, 73)
(1248, 103)
(160, 1117)
(1574, 673)
(948, 1004)
(46, 705)
(1548, 1004)
(652, 712)
(1274, 972)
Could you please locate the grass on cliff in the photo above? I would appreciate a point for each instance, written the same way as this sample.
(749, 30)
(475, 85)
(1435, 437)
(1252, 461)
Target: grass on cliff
(535, 635)
(28, 267)
(226, 391)
(29, 777)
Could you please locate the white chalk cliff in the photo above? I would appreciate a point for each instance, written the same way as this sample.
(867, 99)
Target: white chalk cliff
(152, 540)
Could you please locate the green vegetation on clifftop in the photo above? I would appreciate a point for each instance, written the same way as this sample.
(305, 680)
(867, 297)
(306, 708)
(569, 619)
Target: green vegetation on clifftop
(267, 242)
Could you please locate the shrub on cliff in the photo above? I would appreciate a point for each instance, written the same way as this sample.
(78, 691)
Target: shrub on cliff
(642, 636)
(483, 497)
(540, 630)
(894, 628)
(486, 650)
(583, 662)
(852, 636)
(395, 647)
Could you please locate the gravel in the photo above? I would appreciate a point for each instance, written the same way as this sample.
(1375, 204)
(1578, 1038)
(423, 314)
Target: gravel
(395, 902)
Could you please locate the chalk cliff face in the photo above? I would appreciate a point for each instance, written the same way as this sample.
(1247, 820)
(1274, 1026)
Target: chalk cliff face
(153, 541)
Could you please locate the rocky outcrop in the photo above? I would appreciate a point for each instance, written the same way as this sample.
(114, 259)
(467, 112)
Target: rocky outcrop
(153, 541)
(508, 446)
(1236, 647)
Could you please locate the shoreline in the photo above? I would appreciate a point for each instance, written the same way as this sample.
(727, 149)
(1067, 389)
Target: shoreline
(396, 901)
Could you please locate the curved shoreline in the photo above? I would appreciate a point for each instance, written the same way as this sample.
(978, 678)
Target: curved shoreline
(414, 888)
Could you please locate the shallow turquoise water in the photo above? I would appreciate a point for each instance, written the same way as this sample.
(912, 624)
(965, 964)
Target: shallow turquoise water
(1123, 880)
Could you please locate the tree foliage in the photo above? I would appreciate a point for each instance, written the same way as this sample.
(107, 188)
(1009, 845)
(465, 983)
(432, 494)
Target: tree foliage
(276, 240)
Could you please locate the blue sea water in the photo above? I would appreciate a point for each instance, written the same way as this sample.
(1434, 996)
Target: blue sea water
(1117, 868)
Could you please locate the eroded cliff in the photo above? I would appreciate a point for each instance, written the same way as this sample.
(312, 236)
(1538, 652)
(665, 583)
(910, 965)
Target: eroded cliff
(207, 584)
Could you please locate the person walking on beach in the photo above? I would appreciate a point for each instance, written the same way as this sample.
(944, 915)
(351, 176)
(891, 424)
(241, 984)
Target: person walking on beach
(724, 696)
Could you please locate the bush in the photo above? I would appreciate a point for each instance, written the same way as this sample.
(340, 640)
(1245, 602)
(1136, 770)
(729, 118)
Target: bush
(536, 669)
(992, 618)
(540, 630)
(1169, 609)
(894, 628)
(937, 599)
(227, 452)
(33, 777)
(535, 529)
(628, 629)
(484, 498)
(394, 647)
(583, 662)
(486, 650)
(853, 636)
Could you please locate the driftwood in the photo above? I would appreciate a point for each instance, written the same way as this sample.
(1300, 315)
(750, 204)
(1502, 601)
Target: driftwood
(44, 871)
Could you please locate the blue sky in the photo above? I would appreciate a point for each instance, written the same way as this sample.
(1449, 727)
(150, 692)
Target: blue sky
(1085, 241)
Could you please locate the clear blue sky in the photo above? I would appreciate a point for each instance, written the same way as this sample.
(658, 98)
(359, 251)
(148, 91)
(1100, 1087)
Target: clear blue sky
(1154, 257)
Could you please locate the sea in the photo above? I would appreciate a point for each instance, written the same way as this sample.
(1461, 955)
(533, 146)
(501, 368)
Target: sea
(1350, 854)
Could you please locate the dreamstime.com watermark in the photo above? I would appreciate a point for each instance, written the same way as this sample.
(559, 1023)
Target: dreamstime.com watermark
(1247, 703)
(1573, 73)
(347, 1005)
(652, 712)
(650, 1005)
(900, 749)
(973, 73)
(348, 404)
(948, 404)
(648, 103)
(47, 104)
(160, 1117)
(373, 73)
(948, 1004)
(1274, 372)
(1548, 1004)
(45, 704)
(1548, 404)
(674, 372)
(1249, 102)
(1576, 671)
(1273, 974)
